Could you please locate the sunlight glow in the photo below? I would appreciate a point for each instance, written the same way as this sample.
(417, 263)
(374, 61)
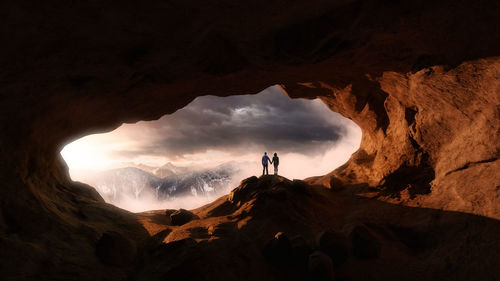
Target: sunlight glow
(144, 148)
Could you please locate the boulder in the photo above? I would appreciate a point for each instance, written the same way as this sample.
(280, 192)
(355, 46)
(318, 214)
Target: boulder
(279, 250)
(115, 249)
(168, 212)
(335, 245)
(300, 250)
(364, 243)
(320, 267)
(246, 187)
(182, 216)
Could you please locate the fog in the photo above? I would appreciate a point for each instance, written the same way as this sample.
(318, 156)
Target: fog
(202, 151)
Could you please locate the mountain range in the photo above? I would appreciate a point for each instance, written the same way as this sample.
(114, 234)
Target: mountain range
(166, 182)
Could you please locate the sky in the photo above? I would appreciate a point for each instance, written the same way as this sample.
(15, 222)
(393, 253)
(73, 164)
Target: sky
(310, 139)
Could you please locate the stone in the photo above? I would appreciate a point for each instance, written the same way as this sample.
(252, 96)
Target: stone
(320, 267)
(168, 212)
(115, 249)
(364, 243)
(222, 229)
(300, 250)
(335, 245)
(279, 250)
(182, 216)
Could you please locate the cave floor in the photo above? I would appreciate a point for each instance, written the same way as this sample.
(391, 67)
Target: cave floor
(227, 242)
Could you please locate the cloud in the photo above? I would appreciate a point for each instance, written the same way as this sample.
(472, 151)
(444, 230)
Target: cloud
(267, 121)
(310, 139)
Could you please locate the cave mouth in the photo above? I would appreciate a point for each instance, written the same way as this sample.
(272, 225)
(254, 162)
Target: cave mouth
(202, 151)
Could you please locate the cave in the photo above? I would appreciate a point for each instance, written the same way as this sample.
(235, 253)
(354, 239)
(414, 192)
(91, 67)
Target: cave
(417, 201)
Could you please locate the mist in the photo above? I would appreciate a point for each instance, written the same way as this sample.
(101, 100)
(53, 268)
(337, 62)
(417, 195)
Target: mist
(148, 200)
(203, 151)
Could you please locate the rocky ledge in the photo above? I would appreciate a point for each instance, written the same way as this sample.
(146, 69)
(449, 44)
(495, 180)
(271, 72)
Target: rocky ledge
(271, 228)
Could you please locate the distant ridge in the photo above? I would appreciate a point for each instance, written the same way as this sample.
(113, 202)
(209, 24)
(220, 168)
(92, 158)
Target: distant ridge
(169, 170)
(163, 183)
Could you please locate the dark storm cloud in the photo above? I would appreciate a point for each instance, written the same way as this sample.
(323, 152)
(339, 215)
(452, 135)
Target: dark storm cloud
(269, 120)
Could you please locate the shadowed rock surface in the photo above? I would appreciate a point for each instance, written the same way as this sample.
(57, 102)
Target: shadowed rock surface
(389, 242)
(181, 217)
(320, 267)
(421, 79)
(335, 245)
(114, 249)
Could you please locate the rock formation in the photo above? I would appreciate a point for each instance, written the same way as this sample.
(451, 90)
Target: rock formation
(421, 79)
(271, 233)
(181, 217)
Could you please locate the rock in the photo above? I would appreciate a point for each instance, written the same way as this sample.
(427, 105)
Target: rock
(279, 250)
(336, 184)
(182, 216)
(246, 186)
(428, 107)
(222, 229)
(115, 249)
(364, 243)
(168, 212)
(274, 187)
(320, 267)
(181, 245)
(335, 245)
(300, 250)
(299, 186)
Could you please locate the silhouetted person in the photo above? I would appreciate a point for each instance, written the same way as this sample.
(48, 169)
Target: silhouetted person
(265, 160)
(275, 162)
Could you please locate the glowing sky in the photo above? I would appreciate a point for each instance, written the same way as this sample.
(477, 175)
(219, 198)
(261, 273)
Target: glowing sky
(309, 138)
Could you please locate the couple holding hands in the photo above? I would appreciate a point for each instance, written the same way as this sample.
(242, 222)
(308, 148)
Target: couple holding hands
(275, 162)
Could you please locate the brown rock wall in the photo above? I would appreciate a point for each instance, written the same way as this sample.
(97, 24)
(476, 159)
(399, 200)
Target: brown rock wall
(421, 78)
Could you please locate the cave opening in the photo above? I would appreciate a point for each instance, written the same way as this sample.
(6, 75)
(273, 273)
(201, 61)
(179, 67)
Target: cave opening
(202, 151)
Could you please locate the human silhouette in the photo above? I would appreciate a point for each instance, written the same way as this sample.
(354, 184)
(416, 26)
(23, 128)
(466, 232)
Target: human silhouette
(275, 162)
(265, 160)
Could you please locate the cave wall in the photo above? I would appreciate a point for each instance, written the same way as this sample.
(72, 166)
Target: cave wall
(437, 143)
(421, 78)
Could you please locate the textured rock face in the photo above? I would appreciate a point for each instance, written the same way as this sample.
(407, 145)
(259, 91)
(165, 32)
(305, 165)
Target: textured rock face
(420, 78)
(181, 217)
(438, 147)
(378, 241)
